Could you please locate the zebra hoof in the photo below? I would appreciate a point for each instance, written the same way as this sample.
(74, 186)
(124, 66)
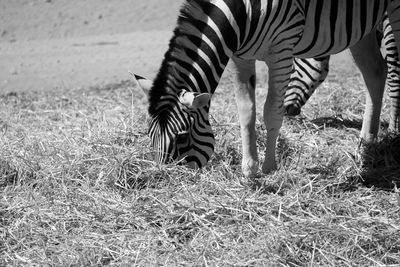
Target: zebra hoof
(249, 169)
(292, 110)
(269, 167)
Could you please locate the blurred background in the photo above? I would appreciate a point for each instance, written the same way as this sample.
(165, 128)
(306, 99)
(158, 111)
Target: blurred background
(45, 44)
(65, 44)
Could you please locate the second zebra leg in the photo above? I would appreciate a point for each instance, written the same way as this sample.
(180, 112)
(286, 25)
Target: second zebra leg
(308, 74)
(369, 60)
(279, 70)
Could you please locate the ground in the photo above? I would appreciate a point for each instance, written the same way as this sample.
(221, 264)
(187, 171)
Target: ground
(79, 187)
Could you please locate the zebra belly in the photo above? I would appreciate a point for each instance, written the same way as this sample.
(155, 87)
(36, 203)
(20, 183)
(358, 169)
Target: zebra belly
(332, 26)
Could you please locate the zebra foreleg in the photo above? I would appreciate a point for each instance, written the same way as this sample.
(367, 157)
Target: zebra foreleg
(244, 72)
(279, 70)
(368, 58)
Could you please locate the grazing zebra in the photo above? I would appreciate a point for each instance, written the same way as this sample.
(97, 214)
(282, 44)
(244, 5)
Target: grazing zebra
(311, 72)
(210, 32)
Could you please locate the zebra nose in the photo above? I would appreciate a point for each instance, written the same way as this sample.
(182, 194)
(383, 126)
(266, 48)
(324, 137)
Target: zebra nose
(292, 110)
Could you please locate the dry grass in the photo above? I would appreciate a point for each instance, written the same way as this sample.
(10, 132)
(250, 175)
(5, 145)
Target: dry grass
(78, 187)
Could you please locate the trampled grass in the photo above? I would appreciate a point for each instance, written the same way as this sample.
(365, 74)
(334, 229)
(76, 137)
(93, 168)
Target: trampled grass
(79, 188)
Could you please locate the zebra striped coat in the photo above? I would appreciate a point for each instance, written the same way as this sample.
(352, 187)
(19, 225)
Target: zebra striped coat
(309, 73)
(210, 32)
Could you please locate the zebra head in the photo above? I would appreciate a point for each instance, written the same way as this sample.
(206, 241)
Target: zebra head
(178, 127)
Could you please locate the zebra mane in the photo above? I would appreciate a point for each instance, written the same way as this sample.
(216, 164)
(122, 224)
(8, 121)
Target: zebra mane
(187, 17)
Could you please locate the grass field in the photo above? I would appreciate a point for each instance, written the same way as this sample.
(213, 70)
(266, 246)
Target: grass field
(79, 188)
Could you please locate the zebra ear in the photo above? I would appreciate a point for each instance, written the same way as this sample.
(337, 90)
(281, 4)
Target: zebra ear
(143, 83)
(194, 100)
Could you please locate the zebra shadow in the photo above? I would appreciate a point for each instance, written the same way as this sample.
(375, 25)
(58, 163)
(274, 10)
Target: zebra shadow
(376, 166)
(379, 167)
(339, 122)
(380, 163)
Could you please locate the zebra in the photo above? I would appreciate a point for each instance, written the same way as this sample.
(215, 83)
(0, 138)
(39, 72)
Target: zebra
(212, 35)
(311, 72)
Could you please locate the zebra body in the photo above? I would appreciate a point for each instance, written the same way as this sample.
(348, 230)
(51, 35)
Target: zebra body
(312, 26)
(309, 73)
(210, 32)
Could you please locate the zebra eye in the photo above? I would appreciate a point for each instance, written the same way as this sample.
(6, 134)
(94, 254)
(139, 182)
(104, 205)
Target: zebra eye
(181, 138)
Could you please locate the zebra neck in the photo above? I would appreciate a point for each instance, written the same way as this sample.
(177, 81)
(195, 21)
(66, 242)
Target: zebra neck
(198, 52)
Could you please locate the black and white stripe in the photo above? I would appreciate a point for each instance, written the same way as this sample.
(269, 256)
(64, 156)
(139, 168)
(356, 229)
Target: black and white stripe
(210, 32)
(310, 73)
(393, 75)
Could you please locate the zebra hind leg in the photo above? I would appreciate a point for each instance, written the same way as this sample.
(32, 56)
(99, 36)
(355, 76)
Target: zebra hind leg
(393, 77)
(244, 73)
(394, 17)
(394, 95)
(368, 58)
